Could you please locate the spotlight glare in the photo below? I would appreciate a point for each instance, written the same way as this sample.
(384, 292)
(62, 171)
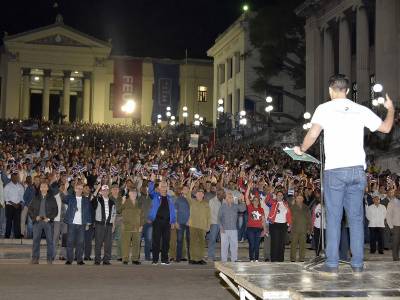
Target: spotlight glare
(184, 108)
(220, 101)
(196, 116)
(220, 109)
(172, 117)
(305, 127)
(268, 99)
(168, 108)
(242, 113)
(159, 116)
(196, 123)
(307, 115)
(378, 88)
(185, 114)
(375, 102)
(168, 113)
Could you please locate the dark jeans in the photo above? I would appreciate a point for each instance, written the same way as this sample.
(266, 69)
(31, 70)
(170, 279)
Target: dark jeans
(38, 227)
(13, 219)
(317, 240)
(254, 238)
(241, 225)
(89, 234)
(182, 231)
(102, 236)
(161, 237)
(278, 232)
(376, 236)
(344, 188)
(396, 242)
(75, 238)
(147, 234)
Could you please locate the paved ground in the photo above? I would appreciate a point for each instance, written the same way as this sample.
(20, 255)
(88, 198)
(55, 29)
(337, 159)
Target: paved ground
(19, 280)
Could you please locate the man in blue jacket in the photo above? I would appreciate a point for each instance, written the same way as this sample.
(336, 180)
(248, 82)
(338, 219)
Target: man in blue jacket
(162, 216)
(77, 217)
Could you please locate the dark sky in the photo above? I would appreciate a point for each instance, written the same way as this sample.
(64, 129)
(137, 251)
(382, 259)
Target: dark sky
(154, 28)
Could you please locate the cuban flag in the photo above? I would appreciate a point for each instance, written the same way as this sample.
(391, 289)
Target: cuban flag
(154, 167)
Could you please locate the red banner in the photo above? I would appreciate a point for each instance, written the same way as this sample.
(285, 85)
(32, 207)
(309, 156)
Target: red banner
(127, 88)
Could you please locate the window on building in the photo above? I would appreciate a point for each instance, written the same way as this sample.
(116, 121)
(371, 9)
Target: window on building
(221, 73)
(354, 91)
(230, 67)
(229, 104)
(372, 81)
(237, 96)
(202, 93)
(237, 62)
(111, 97)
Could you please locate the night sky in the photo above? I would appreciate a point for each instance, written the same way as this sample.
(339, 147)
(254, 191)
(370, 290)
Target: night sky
(152, 28)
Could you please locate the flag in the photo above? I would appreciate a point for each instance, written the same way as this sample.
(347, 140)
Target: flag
(114, 171)
(197, 174)
(154, 167)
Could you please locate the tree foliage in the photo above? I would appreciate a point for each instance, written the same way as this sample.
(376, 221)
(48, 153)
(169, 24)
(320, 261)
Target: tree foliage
(278, 33)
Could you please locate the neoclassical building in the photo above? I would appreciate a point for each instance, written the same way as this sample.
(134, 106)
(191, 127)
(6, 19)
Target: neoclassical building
(358, 38)
(235, 60)
(58, 71)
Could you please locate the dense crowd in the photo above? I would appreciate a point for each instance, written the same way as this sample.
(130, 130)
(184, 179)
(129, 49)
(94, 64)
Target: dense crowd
(78, 182)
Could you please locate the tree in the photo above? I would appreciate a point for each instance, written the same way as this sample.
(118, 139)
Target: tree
(278, 34)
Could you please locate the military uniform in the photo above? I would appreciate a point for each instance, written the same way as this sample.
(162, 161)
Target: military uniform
(132, 220)
(118, 224)
(199, 223)
(301, 224)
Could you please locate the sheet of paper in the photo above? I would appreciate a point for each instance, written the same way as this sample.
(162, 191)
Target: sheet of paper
(305, 157)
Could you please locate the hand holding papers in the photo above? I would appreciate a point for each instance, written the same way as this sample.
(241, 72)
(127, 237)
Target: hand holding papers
(305, 157)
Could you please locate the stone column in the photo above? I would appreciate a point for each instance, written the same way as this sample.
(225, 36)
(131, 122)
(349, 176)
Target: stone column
(329, 67)
(344, 47)
(66, 95)
(314, 82)
(46, 95)
(387, 46)
(86, 96)
(362, 41)
(26, 93)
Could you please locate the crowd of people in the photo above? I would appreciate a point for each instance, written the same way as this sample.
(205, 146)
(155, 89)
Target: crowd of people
(79, 183)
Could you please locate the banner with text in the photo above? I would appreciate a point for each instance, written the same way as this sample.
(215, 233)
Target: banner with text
(127, 88)
(165, 89)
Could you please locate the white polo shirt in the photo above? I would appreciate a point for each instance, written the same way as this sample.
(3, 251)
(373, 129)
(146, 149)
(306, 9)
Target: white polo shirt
(343, 122)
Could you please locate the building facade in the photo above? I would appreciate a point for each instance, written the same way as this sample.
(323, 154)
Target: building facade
(58, 71)
(235, 60)
(358, 38)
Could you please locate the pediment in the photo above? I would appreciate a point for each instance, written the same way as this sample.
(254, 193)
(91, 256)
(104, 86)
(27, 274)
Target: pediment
(57, 35)
(58, 40)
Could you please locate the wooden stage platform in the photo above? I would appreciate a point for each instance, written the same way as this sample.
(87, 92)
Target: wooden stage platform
(291, 281)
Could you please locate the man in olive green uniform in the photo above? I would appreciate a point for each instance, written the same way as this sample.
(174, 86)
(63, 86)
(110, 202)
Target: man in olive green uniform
(132, 220)
(116, 197)
(199, 223)
(300, 227)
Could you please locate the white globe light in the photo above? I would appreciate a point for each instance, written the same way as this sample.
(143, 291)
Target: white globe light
(196, 123)
(381, 100)
(172, 117)
(168, 114)
(185, 114)
(309, 125)
(307, 115)
(168, 108)
(242, 113)
(220, 101)
(172, 123)
(268, 99)
(162, 152)
(158, 121)
(201, 119)
(159, 116)
(72, 79)
(196, 116)
(220, 109)
(184, 108)
(36, 78)
(378, 88)
(305, 127)
(243, 121)
(269, 108)
(375, 102)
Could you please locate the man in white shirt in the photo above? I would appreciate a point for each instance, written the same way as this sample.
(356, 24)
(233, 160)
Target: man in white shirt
(13, 198)
(343, 122)
(376, 214)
